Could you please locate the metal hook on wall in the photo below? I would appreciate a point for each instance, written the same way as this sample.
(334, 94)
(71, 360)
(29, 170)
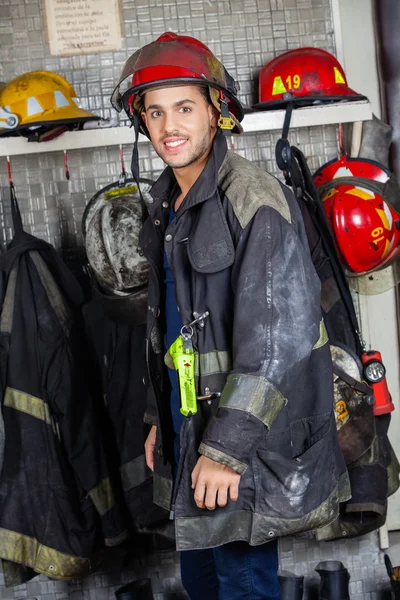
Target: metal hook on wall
(66, 170)
(10, 180)
(123, 176)
(9, 172)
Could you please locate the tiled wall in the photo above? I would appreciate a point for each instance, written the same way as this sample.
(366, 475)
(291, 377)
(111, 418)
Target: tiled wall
(244, 34)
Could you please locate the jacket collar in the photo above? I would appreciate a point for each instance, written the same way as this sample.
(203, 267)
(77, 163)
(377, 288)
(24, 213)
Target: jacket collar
(205, 185)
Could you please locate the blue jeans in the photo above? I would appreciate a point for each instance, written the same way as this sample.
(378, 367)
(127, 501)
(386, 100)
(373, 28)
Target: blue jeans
(235, 571)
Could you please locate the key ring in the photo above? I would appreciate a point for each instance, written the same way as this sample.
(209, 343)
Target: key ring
(187, 332)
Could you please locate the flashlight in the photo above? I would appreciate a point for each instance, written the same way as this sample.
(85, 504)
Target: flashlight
(375, 374)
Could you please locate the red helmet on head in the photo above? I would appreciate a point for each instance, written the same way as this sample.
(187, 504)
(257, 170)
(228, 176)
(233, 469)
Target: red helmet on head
(304, 76)
(362, 201)
(177, 59)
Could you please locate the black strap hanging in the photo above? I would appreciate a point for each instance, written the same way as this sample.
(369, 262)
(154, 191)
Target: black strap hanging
(283, 153)
(15, 212)
(123, 175)
(303, 180)
(297, 174)
(360, 386)
(135, 165)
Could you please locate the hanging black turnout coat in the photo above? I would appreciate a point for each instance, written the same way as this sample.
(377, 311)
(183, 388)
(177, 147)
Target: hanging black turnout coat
(54, 486)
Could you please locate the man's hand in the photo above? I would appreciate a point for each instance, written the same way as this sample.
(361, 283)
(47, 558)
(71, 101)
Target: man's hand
(212, 482)
(149, 447)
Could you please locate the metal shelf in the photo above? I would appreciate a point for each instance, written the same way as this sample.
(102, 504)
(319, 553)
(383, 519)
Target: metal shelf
(327, 114)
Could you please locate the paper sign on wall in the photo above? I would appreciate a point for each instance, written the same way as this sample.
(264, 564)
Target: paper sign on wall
(83, 26)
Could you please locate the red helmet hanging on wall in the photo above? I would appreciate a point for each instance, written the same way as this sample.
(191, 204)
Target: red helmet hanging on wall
(177, 60)
(304, 76)
(362, 201)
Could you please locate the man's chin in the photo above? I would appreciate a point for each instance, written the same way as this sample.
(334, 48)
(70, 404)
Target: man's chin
(176, 162)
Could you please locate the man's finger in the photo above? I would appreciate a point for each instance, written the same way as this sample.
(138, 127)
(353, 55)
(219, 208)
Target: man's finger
(234, 491)
(222, 496)
(149, 447)
(149, 454)
(199, 494)
(211, 497)
(195, 474)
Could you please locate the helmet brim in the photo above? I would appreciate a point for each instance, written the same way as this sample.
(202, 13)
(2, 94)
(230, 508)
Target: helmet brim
(51, 123)
(304, 101)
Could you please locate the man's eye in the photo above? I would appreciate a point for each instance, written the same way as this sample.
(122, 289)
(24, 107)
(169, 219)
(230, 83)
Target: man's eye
(156, 114)
(185, 109)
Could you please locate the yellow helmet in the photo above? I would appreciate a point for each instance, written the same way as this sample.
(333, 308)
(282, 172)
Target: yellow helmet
(39, 98)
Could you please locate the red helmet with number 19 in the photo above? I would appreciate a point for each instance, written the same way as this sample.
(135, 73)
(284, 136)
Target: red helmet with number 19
(304, 76)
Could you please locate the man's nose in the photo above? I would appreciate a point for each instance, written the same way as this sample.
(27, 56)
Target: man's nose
(169, 122)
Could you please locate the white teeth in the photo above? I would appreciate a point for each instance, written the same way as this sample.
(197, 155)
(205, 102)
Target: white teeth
(173, 144)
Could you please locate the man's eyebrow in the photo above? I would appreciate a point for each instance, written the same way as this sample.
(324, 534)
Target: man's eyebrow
(184, 102)
(176, 104)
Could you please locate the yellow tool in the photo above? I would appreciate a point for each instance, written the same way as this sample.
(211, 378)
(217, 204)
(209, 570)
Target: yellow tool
(182, 354)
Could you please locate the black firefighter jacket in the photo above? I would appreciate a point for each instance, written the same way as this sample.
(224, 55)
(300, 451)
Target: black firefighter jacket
(54, 485)
(121, 362)
(238, 250)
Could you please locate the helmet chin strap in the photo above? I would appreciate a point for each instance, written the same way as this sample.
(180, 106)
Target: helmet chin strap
(225, 122)
(135, 163)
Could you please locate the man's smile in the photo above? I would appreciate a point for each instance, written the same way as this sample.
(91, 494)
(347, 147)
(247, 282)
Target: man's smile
(171, 144)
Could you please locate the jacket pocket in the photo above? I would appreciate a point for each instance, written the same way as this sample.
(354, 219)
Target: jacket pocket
(296, 481)
(211, 257)
(306, 432)
(210, 247)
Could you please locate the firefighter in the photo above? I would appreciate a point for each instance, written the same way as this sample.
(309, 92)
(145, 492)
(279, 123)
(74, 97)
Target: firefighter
(243, 443)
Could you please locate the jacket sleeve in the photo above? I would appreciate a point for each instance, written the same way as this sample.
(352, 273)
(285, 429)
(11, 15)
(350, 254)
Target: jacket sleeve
(277, 321)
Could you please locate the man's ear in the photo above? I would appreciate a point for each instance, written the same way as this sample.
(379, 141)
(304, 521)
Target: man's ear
(144, 117)
(214, 116)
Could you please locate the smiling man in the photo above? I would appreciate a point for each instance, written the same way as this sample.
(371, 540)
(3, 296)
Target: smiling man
(179, 148)
(182, 123)
(244, 451)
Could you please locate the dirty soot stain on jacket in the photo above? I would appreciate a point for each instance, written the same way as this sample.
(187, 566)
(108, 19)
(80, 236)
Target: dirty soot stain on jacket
(238, 249)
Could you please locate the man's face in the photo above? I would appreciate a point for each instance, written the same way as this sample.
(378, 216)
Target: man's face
(181, 124)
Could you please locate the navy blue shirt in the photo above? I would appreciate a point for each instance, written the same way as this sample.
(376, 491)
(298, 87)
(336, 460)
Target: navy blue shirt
(173, 328)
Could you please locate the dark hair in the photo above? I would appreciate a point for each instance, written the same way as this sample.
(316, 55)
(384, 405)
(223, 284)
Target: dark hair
(204, 91)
